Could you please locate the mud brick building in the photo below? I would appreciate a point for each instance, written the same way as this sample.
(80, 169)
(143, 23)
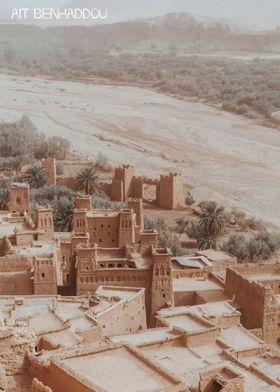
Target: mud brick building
(256, 289)
(168, 189)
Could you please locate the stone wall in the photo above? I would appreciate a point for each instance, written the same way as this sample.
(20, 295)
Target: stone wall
(125, 317)
(19, 198)
(49, 164)
(162, 281)
(15, 275)
(259, 306)
(169, 188)
(249, 295)
(170, 191)
(68, 182)
(88, 281)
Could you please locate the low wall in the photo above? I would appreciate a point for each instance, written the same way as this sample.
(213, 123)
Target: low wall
(68, 182)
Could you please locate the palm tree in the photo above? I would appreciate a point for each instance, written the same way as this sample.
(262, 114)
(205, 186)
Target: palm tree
(206, 241)
(36, 176)
(63, 210)
(211, 225)
(212, 219)
(88, 181)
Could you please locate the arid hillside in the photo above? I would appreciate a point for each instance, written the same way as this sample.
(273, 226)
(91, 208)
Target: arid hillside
(182, 30)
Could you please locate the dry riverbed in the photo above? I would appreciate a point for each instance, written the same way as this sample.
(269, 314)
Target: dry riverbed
(221, 155)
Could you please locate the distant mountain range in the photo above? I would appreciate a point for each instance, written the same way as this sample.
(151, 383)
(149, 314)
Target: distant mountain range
(182, 30)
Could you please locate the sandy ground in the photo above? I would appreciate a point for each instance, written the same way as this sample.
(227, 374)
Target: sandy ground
(222, 156)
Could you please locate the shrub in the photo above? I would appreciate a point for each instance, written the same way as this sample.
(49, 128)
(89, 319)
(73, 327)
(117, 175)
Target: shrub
(102, 202)
(58, 147)
(263, 245)
(259, 246)
(237, 245)
(22, 140)
(181, 225)
(165, 236)
(62, 201)
(244, 223)
(193, 229)
(189, 200)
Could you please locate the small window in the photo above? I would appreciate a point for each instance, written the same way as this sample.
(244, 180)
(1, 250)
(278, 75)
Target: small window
(43, 274)
(18, 200)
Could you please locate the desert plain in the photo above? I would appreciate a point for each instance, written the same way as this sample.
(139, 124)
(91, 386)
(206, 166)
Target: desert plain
(221, 156)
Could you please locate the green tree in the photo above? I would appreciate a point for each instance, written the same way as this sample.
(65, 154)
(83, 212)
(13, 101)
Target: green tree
(4, 198)
(211, 224)
(58, 147)
(36, 176)
(62, 201)
(88, 181)
(212, 219)
(63, 210)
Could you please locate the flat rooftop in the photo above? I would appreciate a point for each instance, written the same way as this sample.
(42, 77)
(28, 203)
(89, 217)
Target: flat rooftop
(262, 277)
(82, 323)
(44, 248)
(146, 337)
(56, 310)
(240, 339)
(214, 309)
(268, 365)
(35, 316)
(178, 359)
(8, 228)
(65, 338)
(195, 284)
(216, 255)
(252, 382)
(102, 214)
(212, 353)
(187, 322)
(118, 370)
(122, 293)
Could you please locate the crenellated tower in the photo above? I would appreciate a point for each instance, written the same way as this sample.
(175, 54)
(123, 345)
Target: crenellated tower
(162, 282)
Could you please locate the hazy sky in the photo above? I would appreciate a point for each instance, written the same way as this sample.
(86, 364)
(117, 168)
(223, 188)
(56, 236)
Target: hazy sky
(254, 12)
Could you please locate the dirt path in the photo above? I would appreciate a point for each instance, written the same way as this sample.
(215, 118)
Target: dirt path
(223, 156)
